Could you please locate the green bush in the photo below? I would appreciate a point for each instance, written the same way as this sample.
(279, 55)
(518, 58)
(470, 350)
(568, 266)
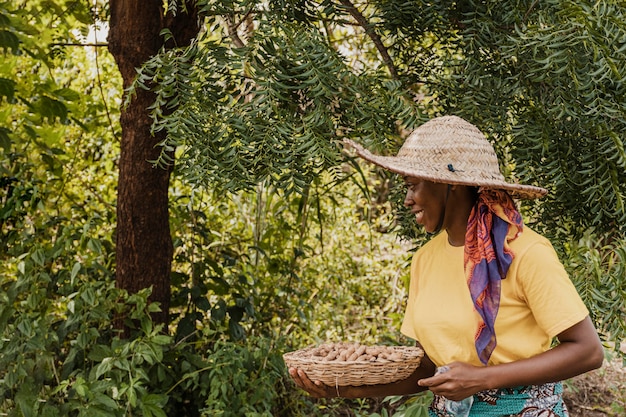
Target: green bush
(250, 285)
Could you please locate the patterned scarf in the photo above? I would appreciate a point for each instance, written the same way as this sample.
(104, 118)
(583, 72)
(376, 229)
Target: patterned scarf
(493, 223)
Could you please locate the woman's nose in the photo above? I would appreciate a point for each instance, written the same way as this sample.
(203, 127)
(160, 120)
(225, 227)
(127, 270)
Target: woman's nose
(408, 199)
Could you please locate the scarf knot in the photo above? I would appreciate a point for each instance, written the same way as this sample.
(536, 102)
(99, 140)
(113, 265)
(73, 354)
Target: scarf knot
(493, 223)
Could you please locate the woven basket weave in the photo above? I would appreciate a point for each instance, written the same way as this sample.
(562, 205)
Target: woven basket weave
(356, 373)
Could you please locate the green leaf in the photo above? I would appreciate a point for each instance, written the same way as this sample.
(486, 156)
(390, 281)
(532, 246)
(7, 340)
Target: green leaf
(9, 41)
(26, 399)
(104, 400)
(203, 303)
(161, 339)
(39, 257)
(67, 94)
(75, 270)
(150, 410)
(104, 366)
(96, 411)
(50, 108)
(80, 387)
(7, 88)
(5, 140)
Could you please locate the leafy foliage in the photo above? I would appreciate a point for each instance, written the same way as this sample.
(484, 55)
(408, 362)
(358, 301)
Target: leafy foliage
(258, 105)
(60, 353)
(271, 110)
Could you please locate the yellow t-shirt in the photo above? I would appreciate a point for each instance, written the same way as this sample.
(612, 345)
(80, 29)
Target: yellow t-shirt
(538, 301)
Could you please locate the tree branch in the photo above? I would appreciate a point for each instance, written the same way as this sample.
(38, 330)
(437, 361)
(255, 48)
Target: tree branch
(369, 30)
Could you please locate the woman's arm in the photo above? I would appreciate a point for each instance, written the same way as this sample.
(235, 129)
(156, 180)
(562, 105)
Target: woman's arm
(404, 387)
(579, 351)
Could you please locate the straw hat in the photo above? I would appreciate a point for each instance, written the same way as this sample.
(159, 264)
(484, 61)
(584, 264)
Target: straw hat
(449, 150)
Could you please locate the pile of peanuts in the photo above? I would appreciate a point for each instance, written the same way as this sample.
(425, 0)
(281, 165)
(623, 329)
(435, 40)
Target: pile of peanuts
(348, 352)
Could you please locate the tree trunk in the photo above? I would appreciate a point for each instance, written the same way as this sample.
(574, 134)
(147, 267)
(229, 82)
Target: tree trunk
(144, 244)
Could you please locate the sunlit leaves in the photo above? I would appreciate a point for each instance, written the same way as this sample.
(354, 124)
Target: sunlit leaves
(55, 223)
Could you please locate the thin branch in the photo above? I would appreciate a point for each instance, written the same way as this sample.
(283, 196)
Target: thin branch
(97, 44)
(233, 27)
(369, 30)
(532, 6)
(102, 95)
(232, 31)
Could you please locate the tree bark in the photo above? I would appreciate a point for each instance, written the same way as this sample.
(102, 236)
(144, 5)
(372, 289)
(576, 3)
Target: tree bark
(143, 242)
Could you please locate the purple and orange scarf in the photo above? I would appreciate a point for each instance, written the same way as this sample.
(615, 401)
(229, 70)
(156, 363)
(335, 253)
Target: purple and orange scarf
(493, 223)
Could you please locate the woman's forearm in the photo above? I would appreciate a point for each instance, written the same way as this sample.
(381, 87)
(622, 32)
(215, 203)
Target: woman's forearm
(579, 351)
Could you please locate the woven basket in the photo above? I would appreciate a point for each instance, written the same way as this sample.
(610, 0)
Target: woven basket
(355, 373)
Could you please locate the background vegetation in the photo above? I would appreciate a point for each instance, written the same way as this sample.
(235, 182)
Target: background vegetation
(279, 239)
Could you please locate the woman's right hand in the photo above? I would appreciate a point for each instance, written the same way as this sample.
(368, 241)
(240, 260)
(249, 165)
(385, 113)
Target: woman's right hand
(316, 389)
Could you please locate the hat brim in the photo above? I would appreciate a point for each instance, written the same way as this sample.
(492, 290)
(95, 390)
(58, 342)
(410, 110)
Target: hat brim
(444, 175)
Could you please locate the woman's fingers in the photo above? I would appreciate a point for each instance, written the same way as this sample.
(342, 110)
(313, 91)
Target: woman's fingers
(455, 381)
(316, 389)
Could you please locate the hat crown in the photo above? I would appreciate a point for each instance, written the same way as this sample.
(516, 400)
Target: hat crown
(450, 143)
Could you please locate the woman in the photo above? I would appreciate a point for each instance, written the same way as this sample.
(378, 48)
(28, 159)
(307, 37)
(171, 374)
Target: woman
(487, 295)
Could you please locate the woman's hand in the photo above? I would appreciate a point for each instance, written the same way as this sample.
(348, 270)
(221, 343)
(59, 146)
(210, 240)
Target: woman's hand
(316, 389)
(459, 381)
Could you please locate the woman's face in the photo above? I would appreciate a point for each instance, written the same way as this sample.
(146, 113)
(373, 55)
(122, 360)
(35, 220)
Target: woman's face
(427, 201)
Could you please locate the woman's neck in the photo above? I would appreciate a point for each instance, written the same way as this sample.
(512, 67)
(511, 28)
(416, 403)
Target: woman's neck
(463, 201)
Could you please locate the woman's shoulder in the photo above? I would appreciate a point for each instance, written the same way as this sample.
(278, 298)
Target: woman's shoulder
(528, 237)
(530, 245)
(436, 249)
(435, 243)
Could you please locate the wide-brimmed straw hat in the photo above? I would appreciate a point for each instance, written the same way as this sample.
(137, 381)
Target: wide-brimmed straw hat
(449, 150)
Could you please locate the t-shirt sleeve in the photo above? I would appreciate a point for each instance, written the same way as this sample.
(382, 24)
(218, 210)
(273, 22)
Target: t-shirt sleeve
(548, 290)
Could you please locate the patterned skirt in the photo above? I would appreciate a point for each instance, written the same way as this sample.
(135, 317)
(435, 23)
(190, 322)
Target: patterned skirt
(529, 401)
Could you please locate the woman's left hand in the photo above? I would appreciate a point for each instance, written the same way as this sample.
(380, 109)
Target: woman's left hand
(460, 381)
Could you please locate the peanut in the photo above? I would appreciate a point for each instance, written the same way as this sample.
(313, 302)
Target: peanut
(342, 351)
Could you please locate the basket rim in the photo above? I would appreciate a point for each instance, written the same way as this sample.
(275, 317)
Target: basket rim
(354, 372)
